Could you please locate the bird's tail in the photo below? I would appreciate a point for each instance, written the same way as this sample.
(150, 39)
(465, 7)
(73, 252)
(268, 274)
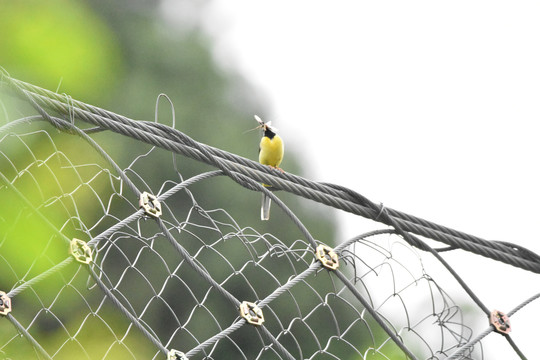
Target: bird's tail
(265, 207)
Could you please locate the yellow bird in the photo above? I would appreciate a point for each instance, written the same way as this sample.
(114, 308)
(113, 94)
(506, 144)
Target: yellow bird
(271, 154)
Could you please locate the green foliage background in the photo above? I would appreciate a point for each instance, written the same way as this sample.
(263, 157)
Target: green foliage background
(120, 55)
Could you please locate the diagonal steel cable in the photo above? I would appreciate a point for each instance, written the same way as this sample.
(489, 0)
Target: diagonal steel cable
(250, 174)
(333, 195)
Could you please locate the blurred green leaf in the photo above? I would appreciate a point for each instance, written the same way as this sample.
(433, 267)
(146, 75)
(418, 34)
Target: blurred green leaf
(59, 43)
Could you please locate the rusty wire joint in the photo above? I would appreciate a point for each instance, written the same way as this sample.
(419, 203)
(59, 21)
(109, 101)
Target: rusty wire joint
(150, 204)
(500, 322)
(327, 256)
(5, 304)
(176, 355)
(80, 251)
(252, 313)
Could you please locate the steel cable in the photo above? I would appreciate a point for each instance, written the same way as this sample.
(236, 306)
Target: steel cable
(329, 194)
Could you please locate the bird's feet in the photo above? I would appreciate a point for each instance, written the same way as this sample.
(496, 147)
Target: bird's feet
(277, 168)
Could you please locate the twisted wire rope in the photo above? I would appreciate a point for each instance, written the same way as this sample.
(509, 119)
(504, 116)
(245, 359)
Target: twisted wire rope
(250, 174)
(185, 255)
(329, 194)
(134, 320)
(127, 313)
(28, 336)
(459, 352)
(27, 284)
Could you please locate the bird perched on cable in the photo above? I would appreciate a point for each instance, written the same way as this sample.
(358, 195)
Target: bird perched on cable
(271, 154)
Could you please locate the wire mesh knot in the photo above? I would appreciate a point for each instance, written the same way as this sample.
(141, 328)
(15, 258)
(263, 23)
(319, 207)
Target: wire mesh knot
(176, 355)
(80, 251)
(5, 303)
(500, 322)
(252, 313)
(327, 256)
(150, 204)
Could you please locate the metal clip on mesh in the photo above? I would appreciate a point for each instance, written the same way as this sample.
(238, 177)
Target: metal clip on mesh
(176, 355)
(500, 322)
(252, 313)
(327, 256)
(150, 204)
(80, 251)
(5, 304)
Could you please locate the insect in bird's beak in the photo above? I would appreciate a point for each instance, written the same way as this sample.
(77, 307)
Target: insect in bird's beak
(262, 125)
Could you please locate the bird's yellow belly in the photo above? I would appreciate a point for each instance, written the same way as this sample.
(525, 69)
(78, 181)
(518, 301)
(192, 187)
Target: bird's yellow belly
(271, 151)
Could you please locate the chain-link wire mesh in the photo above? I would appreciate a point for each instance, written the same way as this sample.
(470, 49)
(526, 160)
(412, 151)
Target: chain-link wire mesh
(169, 281)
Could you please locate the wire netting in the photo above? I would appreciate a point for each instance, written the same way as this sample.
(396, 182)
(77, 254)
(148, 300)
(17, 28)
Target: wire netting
(171, 286)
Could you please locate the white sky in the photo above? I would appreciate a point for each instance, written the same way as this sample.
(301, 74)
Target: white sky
(430, 107)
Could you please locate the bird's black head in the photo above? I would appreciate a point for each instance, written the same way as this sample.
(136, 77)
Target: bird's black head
(269, 133)
(268, 130)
